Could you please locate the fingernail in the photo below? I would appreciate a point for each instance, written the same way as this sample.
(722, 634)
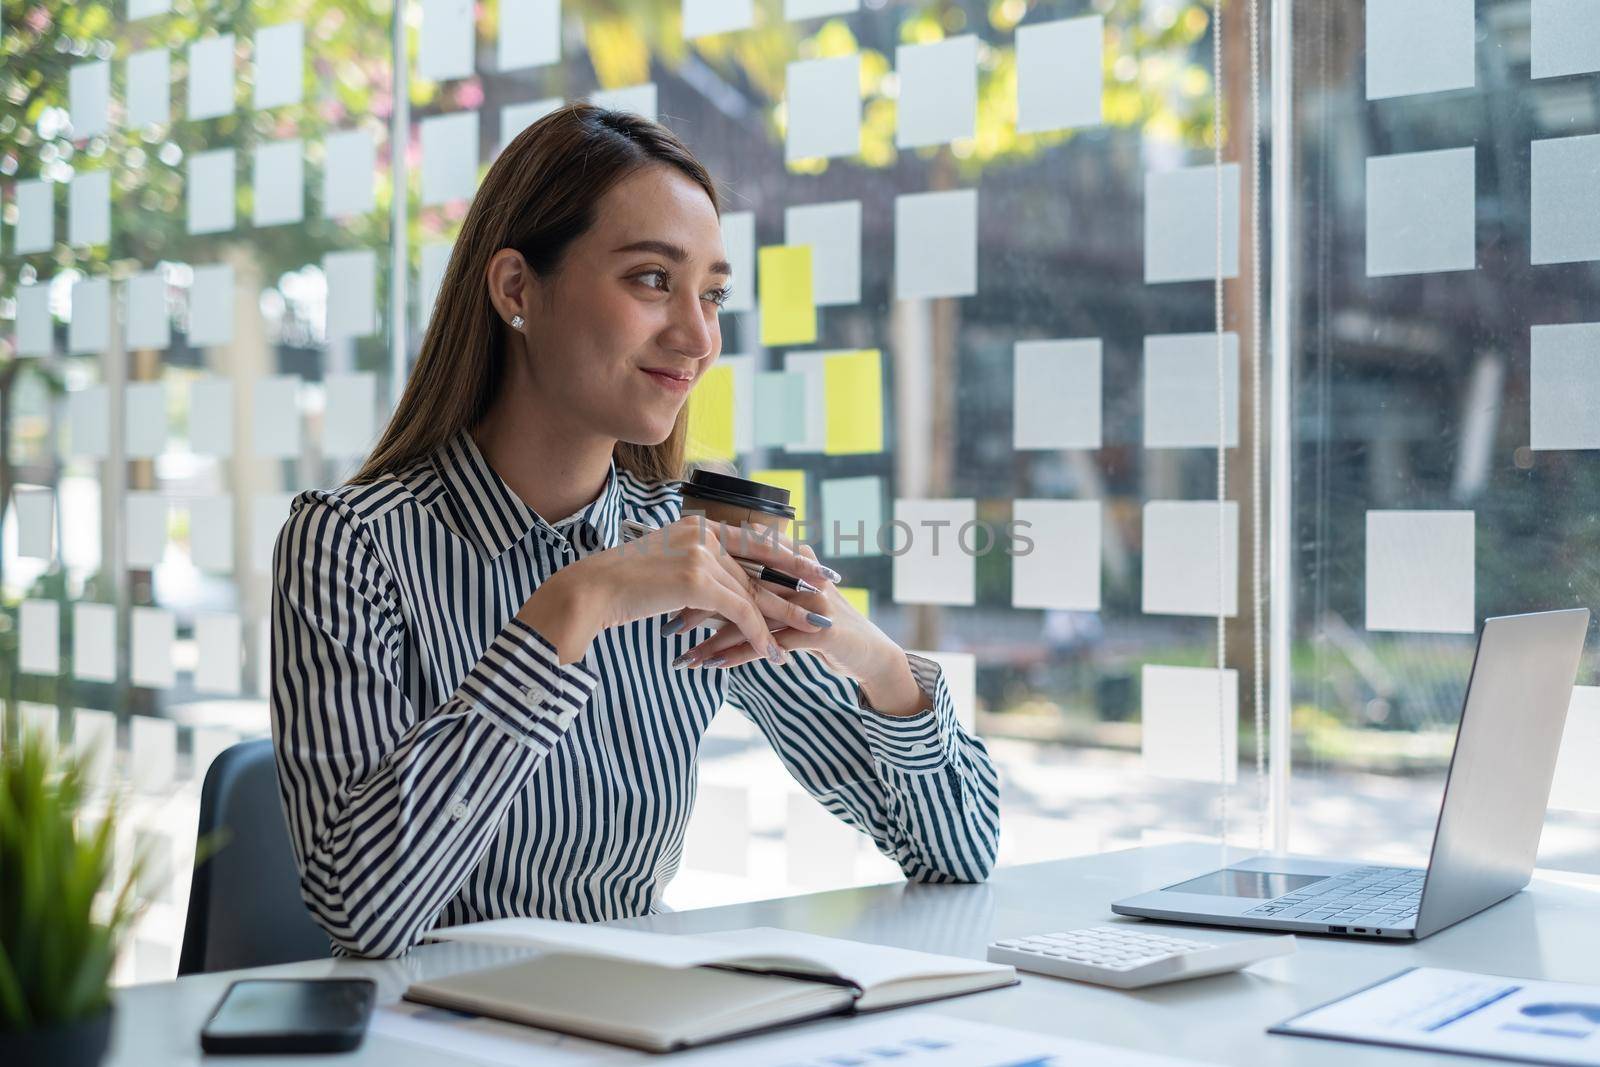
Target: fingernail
(673, 625)
(775, 652)
(818, 620)
(715, 661)
(684, 659)
(833, 575)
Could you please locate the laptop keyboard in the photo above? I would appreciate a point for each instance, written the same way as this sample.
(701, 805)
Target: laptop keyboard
(1367, 896)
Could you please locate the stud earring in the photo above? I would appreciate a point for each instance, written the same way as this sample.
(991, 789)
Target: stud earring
(516, 322)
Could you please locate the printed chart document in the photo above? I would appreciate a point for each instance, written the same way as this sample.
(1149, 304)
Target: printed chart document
(1522, 1019)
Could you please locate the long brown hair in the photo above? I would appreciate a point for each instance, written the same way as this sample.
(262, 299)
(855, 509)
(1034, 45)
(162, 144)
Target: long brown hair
(538, 197)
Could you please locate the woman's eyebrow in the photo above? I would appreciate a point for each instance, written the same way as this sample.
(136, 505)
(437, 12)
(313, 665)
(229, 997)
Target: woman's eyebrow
(672, 252)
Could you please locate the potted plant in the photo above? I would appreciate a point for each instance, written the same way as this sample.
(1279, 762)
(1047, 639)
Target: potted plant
(56, 946)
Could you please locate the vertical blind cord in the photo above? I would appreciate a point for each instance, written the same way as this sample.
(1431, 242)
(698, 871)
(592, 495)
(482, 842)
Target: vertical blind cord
(1257, 582)
(1222, 416)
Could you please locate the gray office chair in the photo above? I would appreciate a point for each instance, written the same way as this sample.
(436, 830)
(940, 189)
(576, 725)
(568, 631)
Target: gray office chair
(244, 901)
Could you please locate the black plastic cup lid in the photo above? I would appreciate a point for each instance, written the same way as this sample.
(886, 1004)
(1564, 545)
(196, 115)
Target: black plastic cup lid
(740, 492)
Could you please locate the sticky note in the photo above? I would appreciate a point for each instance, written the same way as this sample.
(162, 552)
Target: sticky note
(938, 100)
(823, 107)
(780, 408)
(145, 527)
(1056, 560)
(144, 420)
(349, 414)
(1576, 787)
(858, 598)
(88, 419)
(852, 518)
(1564, 386)
(149, 324)
(702, 18)
(1060, 74)
(833, 232)
(39, 644)
(435, 258)
(1421, 571)
(960, 671)
(812, 366)
(36, 327)
(275, 419)
(1180, 390)
(1419, 46)
(739, 246)
(352, 287)
(936, 244)
(1180, 558)
(268, 513)
(808, 9)
(94, 642)
(81, 511)
(280, 65)
(94, 744)
(211, 533)
(89, 208)
(218, 644)
(36, 217)
(1421, 212)
(718, 835)
(211, 77)
(710, 434)
(43, 721)
(140, 9)
(514, 118)
(445, 45)
(449, 157)
(795, 482)
(530, 33)
(1180, 224)
(853, 383)
(149, 88)
(280, 183)
(36, 511)
(932, 565)
(638, 99)
(1189, 723)
(89, 330)
(1566, 212)
(210, 191)
(788, 311)
(206, 743)
(151, 647)
(211, 416)
(1056, 396)
(820, 850)
(350, 160)
(211, 300)
(152, 752)
(744, 402)
(88, 94)
(1565, 38)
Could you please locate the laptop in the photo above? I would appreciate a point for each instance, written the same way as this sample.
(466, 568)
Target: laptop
(1489, 821)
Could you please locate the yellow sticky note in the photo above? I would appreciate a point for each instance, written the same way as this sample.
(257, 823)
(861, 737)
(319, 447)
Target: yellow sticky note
(788, 307)
(711, 416)
(795, 482)
(858, 598)
(852, 388)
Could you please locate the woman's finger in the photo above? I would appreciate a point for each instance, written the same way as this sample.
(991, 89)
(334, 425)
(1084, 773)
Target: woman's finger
(766, 545)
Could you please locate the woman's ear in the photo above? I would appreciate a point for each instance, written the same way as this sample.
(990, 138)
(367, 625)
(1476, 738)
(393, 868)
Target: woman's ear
(513, 286)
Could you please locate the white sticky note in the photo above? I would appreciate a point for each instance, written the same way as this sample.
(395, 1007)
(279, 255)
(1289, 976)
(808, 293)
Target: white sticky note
(812, 366)
(810, 9)
(1180, 557)
(834, 233)
(81, 516)
(352, 287)
(89, 208)
(739, 246)
(1576, 787)
(1422, 212)
(36, 513)
(530, 33)
(210, 191)
(449, 157)
(149, 324)
(211, 77)
(149, 88)
(36, 217)
(39, 644)
(1564, 386)
(94, 642)
(1060, 79)
(960, 670)
(820, 849)
(852, 518)
(1057, 554)
(211, 533)
(144, 420)
(88, 94)
(702, 18)
(1180, 390)
(1566, 211)
(280, 183)
(514, 118)
(718, 836)
(1419, 46)
(43, 721)
(349, 414)
(938, 91)
(445, 43)
(275, 418)
(141, 9)
(1421, 571)
(89, 331)
(638, 99)
(268, 513)
(936, 244)
(1180, 224)
(280, 65)
(823, 105)
(1566, 37)
(743, 369)
(94, 744)
(934, 543)
(36, 325)
(218, 645)
(1189, 723)
(206, 743)
(152, 752)
(88, 422)
(349, 161)
(1056, 394)
(211, 416)
(145, 519)
(211, 306)
(435, 259)
(151, 647)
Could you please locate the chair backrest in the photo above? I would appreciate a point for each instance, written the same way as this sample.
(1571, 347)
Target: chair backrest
(245, 908)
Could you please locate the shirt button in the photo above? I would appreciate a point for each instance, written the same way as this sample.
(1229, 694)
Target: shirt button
(531, 693)
(458, 810)
(919, 749)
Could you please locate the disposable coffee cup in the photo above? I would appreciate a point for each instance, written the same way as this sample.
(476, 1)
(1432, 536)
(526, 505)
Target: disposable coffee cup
(737, 501)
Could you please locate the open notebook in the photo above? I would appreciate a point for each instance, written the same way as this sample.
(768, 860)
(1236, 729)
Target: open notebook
(661, 992)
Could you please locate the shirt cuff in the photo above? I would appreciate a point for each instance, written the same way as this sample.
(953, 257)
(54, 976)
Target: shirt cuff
(521, 684)
(919, 742)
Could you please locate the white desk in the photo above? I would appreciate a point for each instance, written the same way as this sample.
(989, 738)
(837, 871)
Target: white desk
(1550, 930)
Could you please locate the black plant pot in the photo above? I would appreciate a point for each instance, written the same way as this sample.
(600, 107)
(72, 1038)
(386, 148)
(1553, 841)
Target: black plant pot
(76, 1044)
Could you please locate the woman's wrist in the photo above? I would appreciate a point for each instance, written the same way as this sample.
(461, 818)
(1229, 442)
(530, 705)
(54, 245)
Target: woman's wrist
(563, 612)
(892, 689)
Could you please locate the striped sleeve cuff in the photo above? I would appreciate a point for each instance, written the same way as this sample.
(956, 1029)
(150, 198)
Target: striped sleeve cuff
(521, 684)
(921, 742)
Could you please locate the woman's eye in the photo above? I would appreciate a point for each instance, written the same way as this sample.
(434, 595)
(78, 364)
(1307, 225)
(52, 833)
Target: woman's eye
(719, 296)
(659, 276)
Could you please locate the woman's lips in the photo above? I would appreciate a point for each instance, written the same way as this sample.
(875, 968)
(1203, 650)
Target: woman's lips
(667, 381)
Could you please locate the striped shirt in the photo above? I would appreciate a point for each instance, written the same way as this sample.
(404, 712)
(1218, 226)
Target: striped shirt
(440, 765)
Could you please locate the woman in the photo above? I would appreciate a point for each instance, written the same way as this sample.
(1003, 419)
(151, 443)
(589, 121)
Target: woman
(483, 705)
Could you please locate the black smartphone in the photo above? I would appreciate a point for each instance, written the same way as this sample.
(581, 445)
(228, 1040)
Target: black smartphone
(290, 1015)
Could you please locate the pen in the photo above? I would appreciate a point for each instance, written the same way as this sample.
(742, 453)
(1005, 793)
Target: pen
(760, 571)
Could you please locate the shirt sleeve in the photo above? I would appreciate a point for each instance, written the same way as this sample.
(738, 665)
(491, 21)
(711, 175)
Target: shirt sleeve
(922, 787)
(389, 805)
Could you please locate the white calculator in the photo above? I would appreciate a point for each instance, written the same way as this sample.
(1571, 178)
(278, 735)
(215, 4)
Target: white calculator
(1128, 957)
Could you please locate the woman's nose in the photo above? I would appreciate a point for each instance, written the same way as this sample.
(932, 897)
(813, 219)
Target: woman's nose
(690, 332)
